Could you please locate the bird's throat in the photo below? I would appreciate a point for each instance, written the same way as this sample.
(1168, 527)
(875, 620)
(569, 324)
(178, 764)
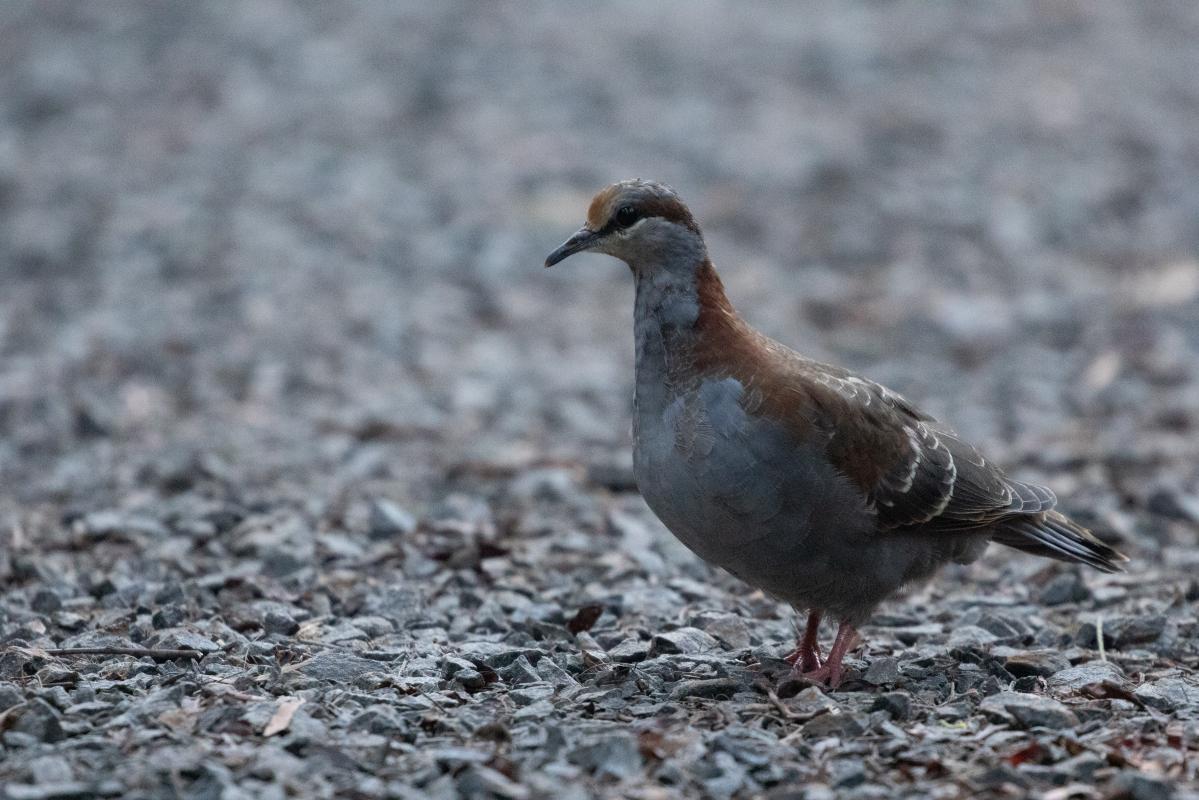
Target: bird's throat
(676, 311)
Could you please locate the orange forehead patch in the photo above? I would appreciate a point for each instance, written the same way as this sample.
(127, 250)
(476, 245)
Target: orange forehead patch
(601, 207)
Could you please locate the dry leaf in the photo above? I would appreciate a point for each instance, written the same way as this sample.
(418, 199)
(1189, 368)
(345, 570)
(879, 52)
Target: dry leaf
(282, 716)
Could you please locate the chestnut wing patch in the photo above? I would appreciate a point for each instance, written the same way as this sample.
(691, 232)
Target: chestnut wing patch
(914, 471)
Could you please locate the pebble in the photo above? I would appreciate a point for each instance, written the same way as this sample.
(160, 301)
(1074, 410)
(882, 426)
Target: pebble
(10, 695)
(630, 650)
(1067, 587)
(45, 601)
(339, 666)
(614, 756)
(898, 705)
(713, 688)
(1091, 673)
(1039, 662)
(882, 672)
(1029, 710)
(833, 724)
(38, 719)
(388, 520)
(279, 623)
(683, 640)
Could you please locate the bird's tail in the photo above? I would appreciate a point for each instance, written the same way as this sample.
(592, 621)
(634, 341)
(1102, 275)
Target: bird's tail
(1052, 535)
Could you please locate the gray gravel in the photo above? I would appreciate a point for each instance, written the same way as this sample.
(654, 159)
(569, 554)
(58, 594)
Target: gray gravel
(284, 388)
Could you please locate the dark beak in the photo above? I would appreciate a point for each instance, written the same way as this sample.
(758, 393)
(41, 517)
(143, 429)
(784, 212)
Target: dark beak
(582, 239)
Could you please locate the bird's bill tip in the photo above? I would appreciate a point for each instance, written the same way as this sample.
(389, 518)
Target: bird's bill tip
(581, 240)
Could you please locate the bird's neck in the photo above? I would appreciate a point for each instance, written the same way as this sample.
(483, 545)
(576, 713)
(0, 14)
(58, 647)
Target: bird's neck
(681, 316)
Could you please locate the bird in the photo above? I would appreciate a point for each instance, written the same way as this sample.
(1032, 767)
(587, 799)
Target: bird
(818, 486)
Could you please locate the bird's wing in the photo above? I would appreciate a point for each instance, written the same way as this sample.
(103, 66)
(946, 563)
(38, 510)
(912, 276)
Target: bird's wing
(914, 471)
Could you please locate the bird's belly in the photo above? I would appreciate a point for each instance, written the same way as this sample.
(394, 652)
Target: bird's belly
(744, 494)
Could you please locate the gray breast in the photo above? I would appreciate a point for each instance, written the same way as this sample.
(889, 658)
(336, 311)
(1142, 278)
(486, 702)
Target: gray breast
(742, 493)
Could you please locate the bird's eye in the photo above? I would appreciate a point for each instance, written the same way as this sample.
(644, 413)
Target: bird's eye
(626, 216)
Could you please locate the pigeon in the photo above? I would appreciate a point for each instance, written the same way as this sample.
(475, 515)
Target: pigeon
(818, 486)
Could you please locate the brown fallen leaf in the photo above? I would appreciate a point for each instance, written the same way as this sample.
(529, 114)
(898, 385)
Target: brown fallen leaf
(584, 618)
(281, 719)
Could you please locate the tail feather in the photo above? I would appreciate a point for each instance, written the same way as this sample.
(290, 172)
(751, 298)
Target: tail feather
(1053, 535)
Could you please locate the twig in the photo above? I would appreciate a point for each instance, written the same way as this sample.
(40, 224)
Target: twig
(1099, 637)
(157, 654)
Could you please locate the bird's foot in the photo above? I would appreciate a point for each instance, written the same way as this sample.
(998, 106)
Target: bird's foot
(806, 655)
(828, 674)
(804, 659)
(831, 671)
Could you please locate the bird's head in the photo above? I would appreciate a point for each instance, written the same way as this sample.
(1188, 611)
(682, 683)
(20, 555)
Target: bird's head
(640, 222)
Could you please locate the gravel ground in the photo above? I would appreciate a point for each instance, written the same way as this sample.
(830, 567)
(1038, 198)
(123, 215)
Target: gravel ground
(284, 387)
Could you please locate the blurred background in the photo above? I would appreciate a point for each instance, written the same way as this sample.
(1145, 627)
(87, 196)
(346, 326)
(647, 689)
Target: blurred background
(307, 237)
(284, 257)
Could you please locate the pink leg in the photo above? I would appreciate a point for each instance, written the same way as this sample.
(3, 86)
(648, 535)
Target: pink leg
(831, 671)
(806, 655)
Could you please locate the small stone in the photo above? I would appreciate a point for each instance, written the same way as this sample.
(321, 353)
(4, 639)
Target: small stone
(848, 774)
(970, 637)
(1121, 633)
(1136, 785)
(630, 650)
(388, 520)
(1173, 503)
(909, 635)
(39, 720)
(56, 675)
(51, 769)
(69, 621)
(279, 562)
(492, 654)
(279, 623)
(534, 711)
(519, 672)
(1065, 588)
(170, 616)
(1029, 684)
(882, 671)
(379, 719)
(482, 781)
(811, 701)
(550, 672)
(833, 724)
(1005, 626)
(452, 665)
(613, 756)
(339, 666)
(690, 641)
(373, 626)
(713, 688)
(897, 704)
(45, 601)
(1035, 662)
(101, 524)
(182, 639)
(1168, 694)
(471, 679)
(527, 695)
(402, 605)
(730, 629)
(1131, 631)
(1092, 673)
(1029, 710)
(10, 696)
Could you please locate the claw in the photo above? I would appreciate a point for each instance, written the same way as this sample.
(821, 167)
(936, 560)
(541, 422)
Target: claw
(831, 671)
(806, 655)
